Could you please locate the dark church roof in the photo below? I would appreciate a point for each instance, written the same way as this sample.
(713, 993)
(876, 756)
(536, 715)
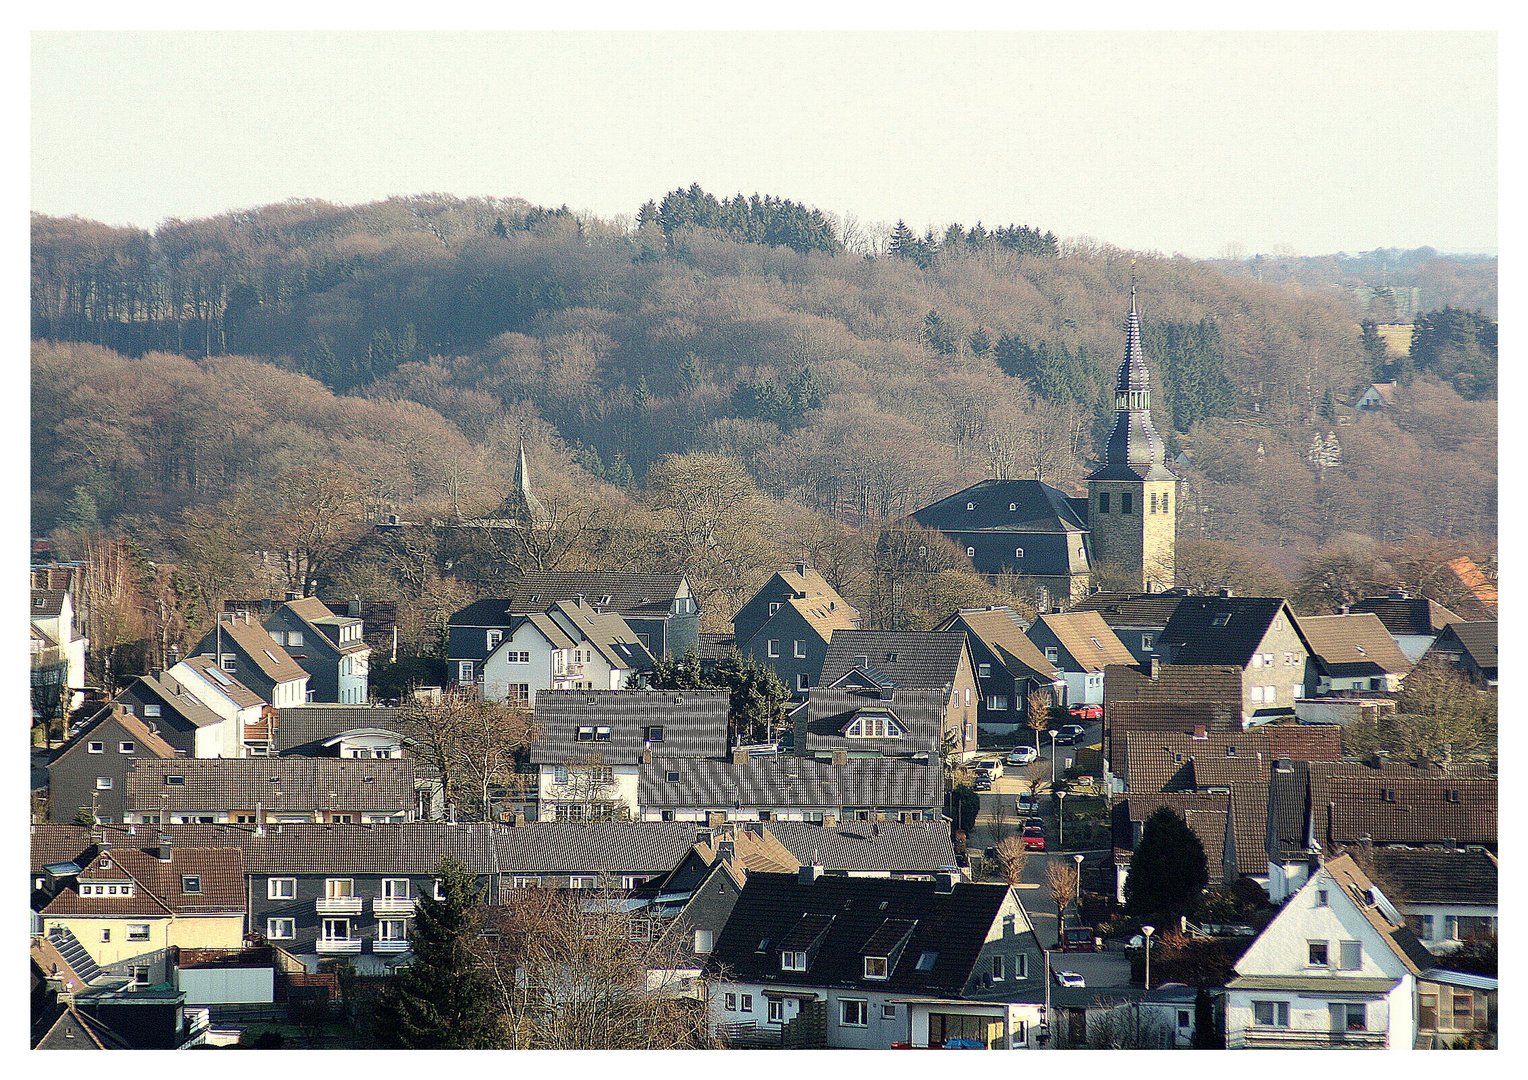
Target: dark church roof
(1134, 450)
(1003, 506)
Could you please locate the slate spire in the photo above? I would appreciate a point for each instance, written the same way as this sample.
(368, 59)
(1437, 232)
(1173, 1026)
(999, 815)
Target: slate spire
(1133, 445)
(530, 509)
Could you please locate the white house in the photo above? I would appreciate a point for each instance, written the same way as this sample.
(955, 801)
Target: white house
(239, 709)
(570, 646)
(1448, 896)
(1336, 968)
(56, 639)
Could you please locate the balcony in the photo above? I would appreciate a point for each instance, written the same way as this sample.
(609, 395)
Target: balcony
(339, 905)
(393, 905)
(1269, 1038)
(339, 945)
(381, 946)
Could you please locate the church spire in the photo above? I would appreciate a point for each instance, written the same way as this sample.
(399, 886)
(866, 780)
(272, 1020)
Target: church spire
(532, 512)
(1134, 447)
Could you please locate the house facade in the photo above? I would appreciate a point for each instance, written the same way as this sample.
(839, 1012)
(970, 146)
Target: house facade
(569, 646)
(1352, 655)
(1080, 645)
(328, 646)
(911, 660)
(89, 775)
(1008, 668)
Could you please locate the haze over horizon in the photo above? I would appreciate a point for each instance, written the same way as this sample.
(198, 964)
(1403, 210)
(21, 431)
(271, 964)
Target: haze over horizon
(1179, 142)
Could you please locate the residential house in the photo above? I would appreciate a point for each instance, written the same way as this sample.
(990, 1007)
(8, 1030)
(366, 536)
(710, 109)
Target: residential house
(789, 622)
(1259, 635)
(1351, 655)
(1376, 396)
(1477, 598)
(88, 776)
(1470, 647)
(242, 711)
(58, 649)
(266, 790)
(1207, 815)
(180, 715)
(1080, 645)
(1336, 968)
(1137, 619)
(330, 647)
(590, 744)
(808, 960)
(1414, 621)
(1123, 1017)
(341, 731)
(1009, 668)
(132, 900)
(910, 660)
(568, 646)
(660, 609)
(1447, 896)
(246, 651)
(1154, 696)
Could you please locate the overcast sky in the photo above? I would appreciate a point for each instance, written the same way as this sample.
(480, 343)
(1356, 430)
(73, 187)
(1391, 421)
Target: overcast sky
(1177, 142)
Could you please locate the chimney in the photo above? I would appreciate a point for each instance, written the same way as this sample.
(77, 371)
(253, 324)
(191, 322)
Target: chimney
(265, 604)
(293, 594)
(354, 607)
(1199, 731)
(647, 755)
(1224, 593)
(944, 883)
(1381, 758)
(716, 818)
(830, 821)
(808, 874)
(740, 757)
(702, 836)
(517, 819)
(726, 849)
(1282, 765)
(1156, 668)
(801, 569)
(166, 847)
(1398, 594)
(1343, 610)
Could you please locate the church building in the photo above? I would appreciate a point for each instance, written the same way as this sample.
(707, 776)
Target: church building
(1127, 520)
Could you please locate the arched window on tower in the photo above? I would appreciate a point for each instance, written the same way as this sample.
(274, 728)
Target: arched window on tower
(970, 552)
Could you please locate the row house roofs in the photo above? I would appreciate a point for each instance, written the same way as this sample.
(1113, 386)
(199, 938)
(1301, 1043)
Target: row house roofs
(276, 783)
(1425, 876)
(776, 781)
(619, 725)
(912, 660)
(155, 882)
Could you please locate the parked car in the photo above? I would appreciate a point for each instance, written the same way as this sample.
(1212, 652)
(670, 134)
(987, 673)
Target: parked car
(1087, 711)
(1029, 804)
(983, 782)
(1034, 823)
(1078, 939)
(991, 767)
(1023, 755)
(1034, 839)
(1070, 978)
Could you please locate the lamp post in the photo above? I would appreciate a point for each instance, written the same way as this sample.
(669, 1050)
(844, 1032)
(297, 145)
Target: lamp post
(1078, 859)
(1060, 818)
(1147, 931)
(1052, 735)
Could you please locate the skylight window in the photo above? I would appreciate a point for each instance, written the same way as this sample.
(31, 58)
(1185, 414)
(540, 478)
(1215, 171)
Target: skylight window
(1221, 619)
(926, 961)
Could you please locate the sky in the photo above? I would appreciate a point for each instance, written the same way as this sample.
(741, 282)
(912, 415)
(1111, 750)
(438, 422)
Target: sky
(1178, 142)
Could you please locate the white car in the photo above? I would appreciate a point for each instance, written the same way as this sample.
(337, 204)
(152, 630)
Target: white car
(1070, 978)
(1022, 755)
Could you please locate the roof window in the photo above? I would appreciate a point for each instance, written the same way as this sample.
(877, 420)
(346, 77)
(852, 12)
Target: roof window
(970, 506)
(926, 961)
(1013, 506)
(1222, 619)
(173, 780)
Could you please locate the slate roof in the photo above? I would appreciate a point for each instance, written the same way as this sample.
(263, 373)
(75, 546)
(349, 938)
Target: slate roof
(869, 846)
(998, 628)
(1288, 809)
(905, 659)
(251, 639)
(1134, 610)
(716, 646)
(48, 603)
(631, 847)
(1191, 636)
(844, 914)
(136, 727)
(776, 781)
(1088, 638)
(316, 614)
(1440, 877)
(239, 783)
(208, 668)
(648, 595)
(1353, 646)
(1038, 508)
(159, 884)
(1408, 615)
(829, 711)
(694, 723)
(303, 729)
(169, 691)
(410, 848)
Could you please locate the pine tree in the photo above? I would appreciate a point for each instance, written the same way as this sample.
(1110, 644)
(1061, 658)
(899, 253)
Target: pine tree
(1167, 872)
(441, 1001)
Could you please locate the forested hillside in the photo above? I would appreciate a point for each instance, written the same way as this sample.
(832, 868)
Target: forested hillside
(409, 345)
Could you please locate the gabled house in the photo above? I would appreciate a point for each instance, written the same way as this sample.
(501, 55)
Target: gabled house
(330, 647)
(240, 709)
(1414, 621)
(58, 645)
(181, 716)
(1376, 396)
(1258, 635)
(1470, 647)
(660, 609)
(590, 745)
(269, 790)
(129, 900)
(569, 646)
(789, 622)
(808, 960)
(898, 660)
(1080, 645)
(1447, 896)
(244, 649)
(1168, 697)
(1336, 968)
(1008, 667)
(88, 776)
(1136, 618)
(1351, 654)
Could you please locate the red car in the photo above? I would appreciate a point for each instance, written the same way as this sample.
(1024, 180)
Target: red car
(1086, 712)
(1034, 839)
(1077, 939)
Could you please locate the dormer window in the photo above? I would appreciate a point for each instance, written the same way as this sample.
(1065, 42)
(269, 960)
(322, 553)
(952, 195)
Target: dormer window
(601, 734)
(1013, 506)
(672, 776)
(970, 506)
(793, 961)
(891, 658)
(191, 884)
(862, 661)
(773, 608)
(874, 727)
(655, 733)
(875, 967)
(494, 637)
(584, 734)
(970, 552)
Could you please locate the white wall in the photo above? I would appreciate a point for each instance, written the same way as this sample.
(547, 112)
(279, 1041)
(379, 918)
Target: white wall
(227, 986)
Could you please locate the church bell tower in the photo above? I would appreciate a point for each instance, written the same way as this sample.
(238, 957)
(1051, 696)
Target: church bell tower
(1132, 497)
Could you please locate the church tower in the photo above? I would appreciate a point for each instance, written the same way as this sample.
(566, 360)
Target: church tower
(522, 504)
(1132, 497)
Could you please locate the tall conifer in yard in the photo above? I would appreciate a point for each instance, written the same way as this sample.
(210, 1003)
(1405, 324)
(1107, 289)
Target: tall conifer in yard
(1167, 871)
(441, 1001)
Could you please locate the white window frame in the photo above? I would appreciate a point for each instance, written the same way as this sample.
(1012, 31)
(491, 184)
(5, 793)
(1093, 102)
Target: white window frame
(1350, 950)
(1276, 1011)
(773, 648)
(970, 553)
(999, 969)
(280, 928)
(281, 888)
(583, 881)
(746, 1004)
(729, 1002)
(127, 748)
(391, 888)
(402, 926)
(877, 967)
(799, 651)
(776, 1010)
(803, 681)
(492, 639)
(95, 748)
(339, 888)
(997, 703)
(792, 961)
(138, 931)
(1326, 947)
(861, 1006)
(705, 941)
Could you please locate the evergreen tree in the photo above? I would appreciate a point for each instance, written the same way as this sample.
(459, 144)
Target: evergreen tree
(938, 335)
(441, 1001)
(80, 512)
(500, 229)
(757, 697)
(980, 341)
(1168, 874)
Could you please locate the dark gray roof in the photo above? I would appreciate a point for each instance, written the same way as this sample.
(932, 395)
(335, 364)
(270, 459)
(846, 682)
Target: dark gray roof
(906, 659)
(1477, 638)
(1037, 508)
(694, 723)
(648, 595)
(869, 846)
(303, 729)
(777, 781)
(1407, 615)
(1135, 610)
(830, 711)
(239, 783)
(169, 691)
(1440, 877)
(414, 848)
(1191, 636)
(632, 846)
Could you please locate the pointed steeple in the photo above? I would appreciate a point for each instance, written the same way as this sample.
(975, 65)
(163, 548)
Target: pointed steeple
(1134, 450)
(530, 509)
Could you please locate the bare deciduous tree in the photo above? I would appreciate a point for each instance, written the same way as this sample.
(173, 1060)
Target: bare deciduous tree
(1011, 856)
(586, 791)
(474, 745)
(1061, 881)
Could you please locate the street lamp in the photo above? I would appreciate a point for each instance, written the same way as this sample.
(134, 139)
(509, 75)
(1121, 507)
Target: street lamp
(1147, 931)
(1060, 819)
(1053, 733)
(1078, 859)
